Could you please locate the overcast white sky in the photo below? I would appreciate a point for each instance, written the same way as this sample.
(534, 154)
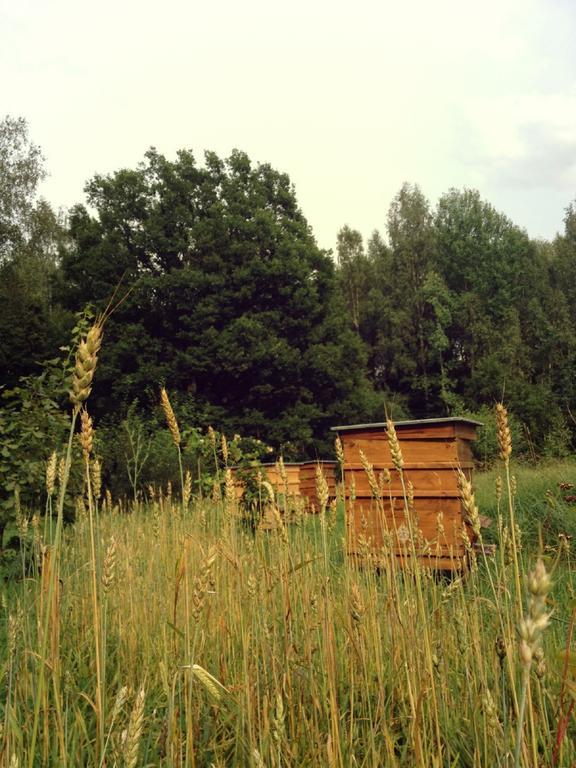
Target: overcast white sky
(349, 98)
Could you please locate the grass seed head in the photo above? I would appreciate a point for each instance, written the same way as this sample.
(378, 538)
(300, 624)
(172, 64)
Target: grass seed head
(86, 433)
(504, 437)
(471, 513)
(109, 567)
(339, 450)
(322, 491)
(170, 417)
(357, 606)
(211, 685)
(187, 489)
(224, 445)
(369, 470)
(85, 365)
(535, 622)
(394, 444)
(134, 732)
(203, 582)
(96, 472)
(51, 472)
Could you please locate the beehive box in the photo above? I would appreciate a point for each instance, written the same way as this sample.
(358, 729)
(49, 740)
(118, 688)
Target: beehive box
(271, 474)
(433, 450)
(308, 482)
(290, 488)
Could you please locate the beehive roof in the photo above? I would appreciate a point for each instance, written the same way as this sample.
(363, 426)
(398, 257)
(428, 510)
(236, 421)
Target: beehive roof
(410, 423)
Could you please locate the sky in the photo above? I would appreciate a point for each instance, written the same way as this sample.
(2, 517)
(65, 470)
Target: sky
(351, 99)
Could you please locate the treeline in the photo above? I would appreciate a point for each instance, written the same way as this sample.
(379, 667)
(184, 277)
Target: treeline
(224, 297)
(459, 308)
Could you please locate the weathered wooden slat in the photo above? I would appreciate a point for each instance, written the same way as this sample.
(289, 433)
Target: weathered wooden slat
(434, 530)
(425, 481)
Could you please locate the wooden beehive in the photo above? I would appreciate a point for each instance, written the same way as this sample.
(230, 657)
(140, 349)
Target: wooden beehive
(433, 450)
(290, 488)
(271, 474)
(308, 482)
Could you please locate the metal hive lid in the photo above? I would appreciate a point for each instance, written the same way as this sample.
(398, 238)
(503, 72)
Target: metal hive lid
(410, 423)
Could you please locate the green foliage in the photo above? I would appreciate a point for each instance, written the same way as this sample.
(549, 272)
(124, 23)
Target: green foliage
(232, 301)
(544, 510)
(486, 448)
(558, 440)
(32, 425)
(461, 309)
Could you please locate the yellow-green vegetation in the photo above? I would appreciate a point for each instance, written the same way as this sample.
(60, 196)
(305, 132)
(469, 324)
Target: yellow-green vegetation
(169, 633)
(200, 644)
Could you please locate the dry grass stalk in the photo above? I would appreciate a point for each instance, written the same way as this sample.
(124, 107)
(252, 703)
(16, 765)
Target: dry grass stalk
(187, 489)
(533, 625)
(531, 628)
(80, 508)
(369, 470)
(216, 491)
(504, 437)
(86, 433)
(96, 475)
(170, 417)
(229, 489)
(61, 471)
(410, 495)
(394, 444)
(211, 685)
(85, 365)
(134, 732)
(202, 583)
(109, 567)
(282, 472)
(322, 492)
(339, 450)
(356, 603)
(280, 525)
(224, 446)
(119, 702)
(471, 513)
(51, 472)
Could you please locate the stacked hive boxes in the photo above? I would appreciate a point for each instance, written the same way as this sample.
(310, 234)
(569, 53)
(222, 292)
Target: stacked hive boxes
(433, 524)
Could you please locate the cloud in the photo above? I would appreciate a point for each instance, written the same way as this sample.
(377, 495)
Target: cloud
(525, 140)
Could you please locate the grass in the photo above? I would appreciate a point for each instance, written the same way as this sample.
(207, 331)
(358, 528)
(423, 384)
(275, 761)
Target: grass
(220, 648)
(167, 634)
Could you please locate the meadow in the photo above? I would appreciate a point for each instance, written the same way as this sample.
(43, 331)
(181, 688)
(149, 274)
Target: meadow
(166, 632)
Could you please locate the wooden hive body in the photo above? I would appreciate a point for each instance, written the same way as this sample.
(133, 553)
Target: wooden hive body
(292, 485)
(308, 481)
(433, 450)
(271, 474)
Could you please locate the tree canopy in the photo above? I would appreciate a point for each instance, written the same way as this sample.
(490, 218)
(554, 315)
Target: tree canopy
(226, 299)
(233, 304)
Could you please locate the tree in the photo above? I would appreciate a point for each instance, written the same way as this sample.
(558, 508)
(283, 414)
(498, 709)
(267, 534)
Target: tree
(233, 305)
(31, 237)
(411, 256)
(503, 340)
(353, 272)
(21, 170)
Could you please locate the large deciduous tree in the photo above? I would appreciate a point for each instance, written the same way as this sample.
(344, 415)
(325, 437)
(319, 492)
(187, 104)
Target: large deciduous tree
(232, 302)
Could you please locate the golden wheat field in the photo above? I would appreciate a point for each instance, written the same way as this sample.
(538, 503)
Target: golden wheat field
(169, 632)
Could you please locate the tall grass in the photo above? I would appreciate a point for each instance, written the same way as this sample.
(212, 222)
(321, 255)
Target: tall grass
(217, 647)
(168, 634)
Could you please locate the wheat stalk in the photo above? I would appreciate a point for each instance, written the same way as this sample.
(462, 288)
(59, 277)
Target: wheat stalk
(170, 417)
(134, 732)
(394, 444)
(85, 365)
